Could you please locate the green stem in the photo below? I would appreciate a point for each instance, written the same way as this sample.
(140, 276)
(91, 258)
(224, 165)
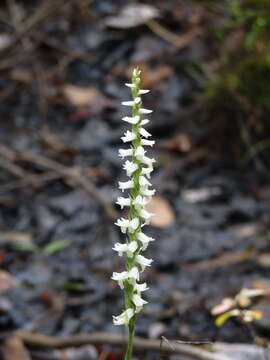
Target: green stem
(131, 332)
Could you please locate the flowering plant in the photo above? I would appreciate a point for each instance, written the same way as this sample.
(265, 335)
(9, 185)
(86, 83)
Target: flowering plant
(138, 170)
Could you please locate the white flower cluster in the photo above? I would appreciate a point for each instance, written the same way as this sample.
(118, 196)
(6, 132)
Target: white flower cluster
(138, 169)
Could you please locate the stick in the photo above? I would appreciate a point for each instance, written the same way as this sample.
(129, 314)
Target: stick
(71, 175)
(140, 344)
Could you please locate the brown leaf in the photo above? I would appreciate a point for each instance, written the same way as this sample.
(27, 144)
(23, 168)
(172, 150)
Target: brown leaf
(82, 96)
(164, 214)
(7, 282)
(14, 349)
(151, 77)
(181, 142)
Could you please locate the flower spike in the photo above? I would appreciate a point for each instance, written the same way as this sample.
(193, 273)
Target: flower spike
(138, 169)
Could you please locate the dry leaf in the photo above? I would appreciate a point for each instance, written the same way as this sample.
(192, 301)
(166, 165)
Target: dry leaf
(82, 96)
(164, 214)
(151, 76)
(132, 16)
(14, 349)
(7, 282)
(180, 142)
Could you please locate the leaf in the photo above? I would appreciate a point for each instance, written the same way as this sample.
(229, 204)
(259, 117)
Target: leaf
(14, 349)
(82, 96)
(221, 319)
(164, 214)
(56, 245)
(132, 16)
(7, 282)
(74, 286)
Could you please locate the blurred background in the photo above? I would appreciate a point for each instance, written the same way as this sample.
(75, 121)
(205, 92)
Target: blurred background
(63, 65)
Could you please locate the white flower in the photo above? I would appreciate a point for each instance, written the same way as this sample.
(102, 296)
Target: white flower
(143, 181)
(129, 136)
(147, 161)
(127, 248)
(133, 225)
(132, 120)
(147, 171)
(133, 275)
(140, 287)
(144, 239)
(146, 142)
(146, 215)
(130, 167)
(125, 152)
(123, 319)
(144, 122)
(123, 224)
(131, 103)
(140, 202)
(145, 111)
(143, 261)
(130, 85)
(120, 248)
(121, 201)
(142, 91)
(144, 132)
(131, 248)
(125, 185)
(139, 153)
(120, 277)
(138, 301)
(147, 192)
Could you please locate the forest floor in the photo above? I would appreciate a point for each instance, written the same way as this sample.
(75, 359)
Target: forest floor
(61, 86)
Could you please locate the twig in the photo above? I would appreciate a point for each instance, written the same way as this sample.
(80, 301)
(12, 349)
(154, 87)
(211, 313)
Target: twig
(72, 176)
(140, 344)
(179, 41)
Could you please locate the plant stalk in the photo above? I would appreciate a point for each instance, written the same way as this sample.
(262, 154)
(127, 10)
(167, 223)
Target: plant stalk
(131, 332)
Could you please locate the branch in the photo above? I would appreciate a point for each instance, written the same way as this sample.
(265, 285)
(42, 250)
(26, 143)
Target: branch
(140, 344)
(72, 175)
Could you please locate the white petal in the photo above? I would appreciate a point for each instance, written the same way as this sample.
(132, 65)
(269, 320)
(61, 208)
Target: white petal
(140, 202)
(144, 133)
(144, 121)
(138, 301)
(125, 152)
(120, 276)
(147, 192)
(140, 287)
(128, 103)
(123, 224)
(139, 153)
(147, 161)
(142, 91)
(145, 111)
(146, 142)
(120, 248)
(144, 239)
(130, 85)
(143, 261)
(146, 215)
(125, 185)
(143, 181)
(130, 167)
(137, 100)
(133, 275)
(131, 119)
(131, 248)
(147, 171)
(121, 201)
(128, 136)
(123, 319)
(133, 225)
